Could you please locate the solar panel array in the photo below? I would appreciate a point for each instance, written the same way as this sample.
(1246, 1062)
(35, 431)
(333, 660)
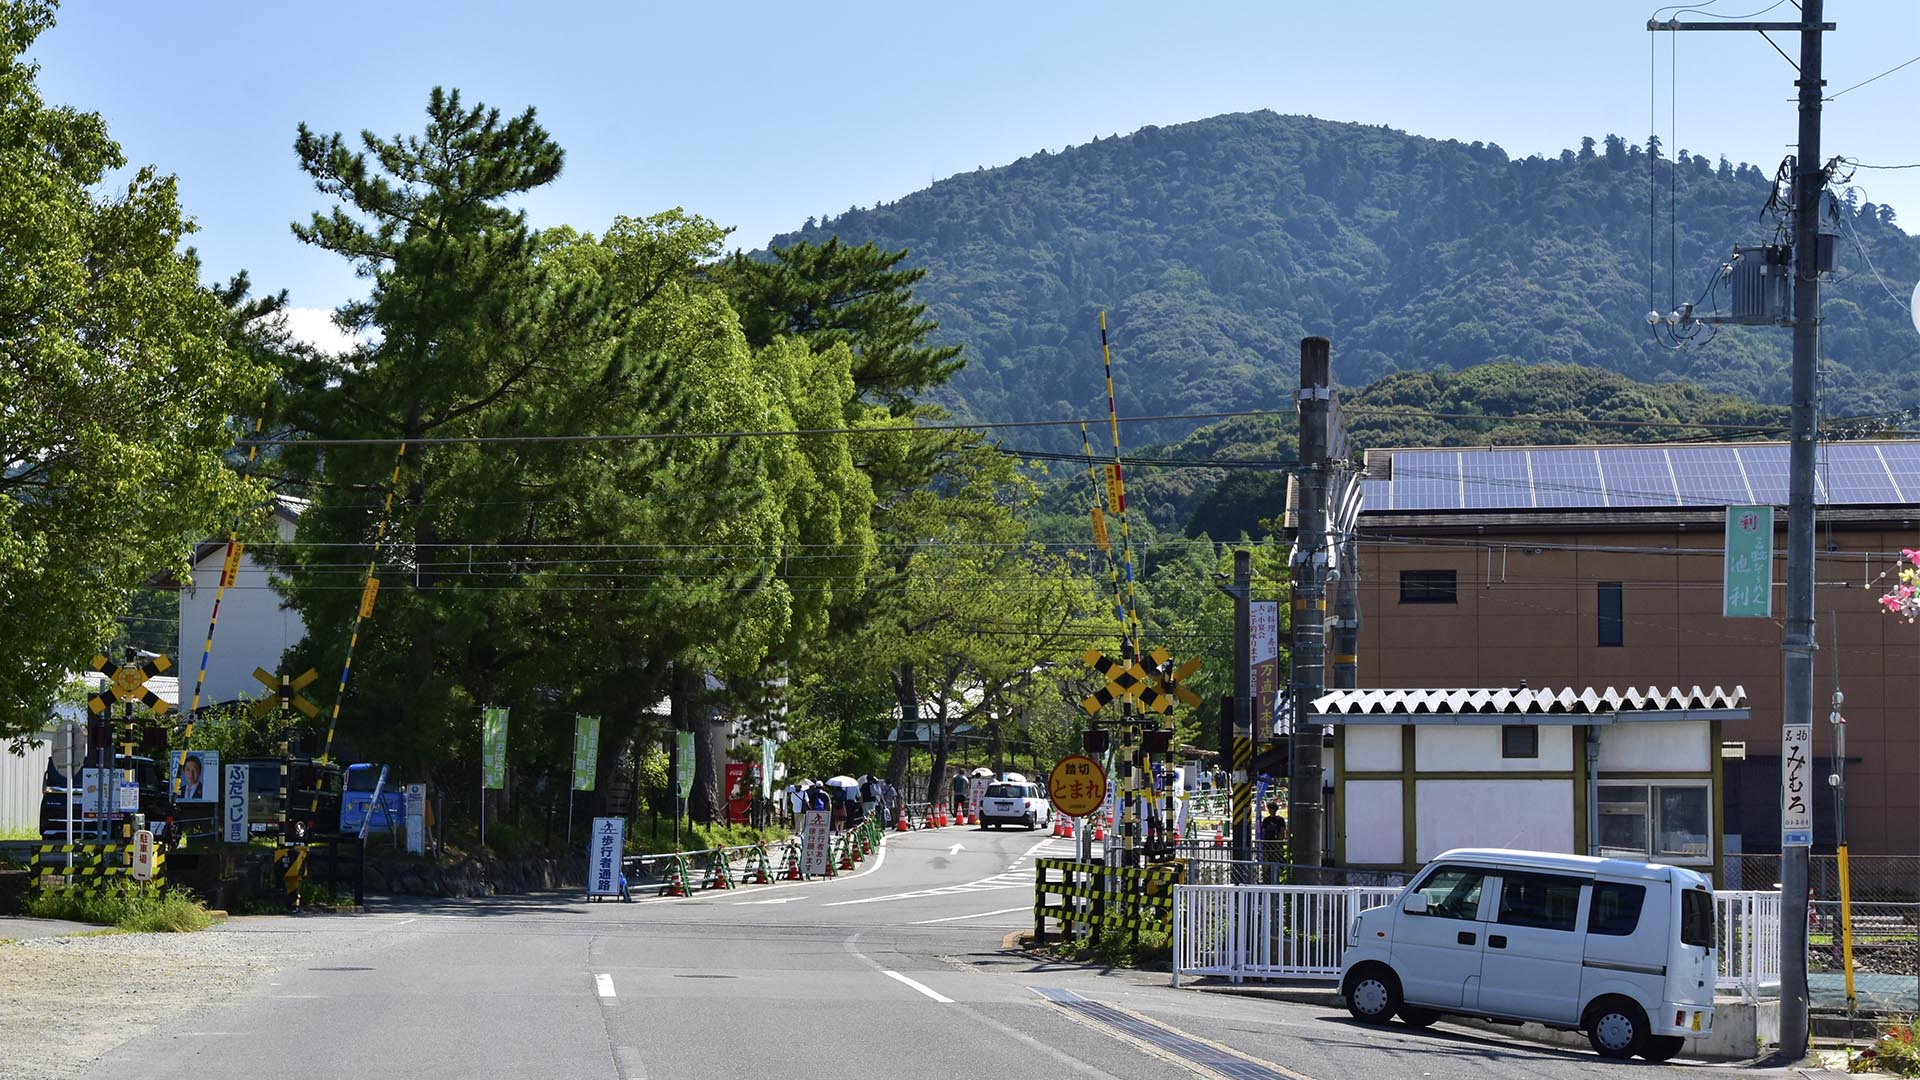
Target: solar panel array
(1572, 477)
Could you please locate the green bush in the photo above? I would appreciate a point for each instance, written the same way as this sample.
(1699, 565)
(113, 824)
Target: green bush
(1896, 1051)
(129, 906)
(703, 838)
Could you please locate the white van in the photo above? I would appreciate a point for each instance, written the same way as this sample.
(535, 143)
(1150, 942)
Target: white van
(1013, 800)
(1622, 950)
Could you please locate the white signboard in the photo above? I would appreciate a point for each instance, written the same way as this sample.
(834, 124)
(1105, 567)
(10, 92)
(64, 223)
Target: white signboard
(1796, 793)
(816, 843)
(233, 804)
(1265, 638)
(417, 818)
(129, 797)
(604, 848)
(143, 855)
(192, 775)
(976, 792)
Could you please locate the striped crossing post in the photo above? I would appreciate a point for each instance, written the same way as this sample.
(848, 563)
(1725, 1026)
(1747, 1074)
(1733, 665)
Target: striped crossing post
(1242, 803)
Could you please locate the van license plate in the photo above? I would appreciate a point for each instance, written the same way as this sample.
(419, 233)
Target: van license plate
(1696, 1022)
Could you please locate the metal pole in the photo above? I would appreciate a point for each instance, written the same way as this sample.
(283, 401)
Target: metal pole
(75, 766)
(1308, 570)
(1809, 183)
(1242, 759)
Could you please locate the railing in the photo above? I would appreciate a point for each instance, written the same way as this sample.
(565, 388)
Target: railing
(1748, 936)
(1267, 931)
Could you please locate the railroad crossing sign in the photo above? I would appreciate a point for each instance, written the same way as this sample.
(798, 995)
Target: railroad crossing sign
(1077, 785)
(1128, 681)
(1172, 680)
(286, 690)
(128, 683)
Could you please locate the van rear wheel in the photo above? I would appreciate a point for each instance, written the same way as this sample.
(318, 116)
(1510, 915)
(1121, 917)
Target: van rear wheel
(1616, 1027)
(1372, 993)
(1663, 1047)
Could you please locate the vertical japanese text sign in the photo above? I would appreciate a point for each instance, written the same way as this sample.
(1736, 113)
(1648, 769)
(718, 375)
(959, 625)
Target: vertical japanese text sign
(586, 751)
(1796, 799)
(683, 765)
(1265, 631)
(233, 801)
(1747, 591)
(493, 748)
(603, 856)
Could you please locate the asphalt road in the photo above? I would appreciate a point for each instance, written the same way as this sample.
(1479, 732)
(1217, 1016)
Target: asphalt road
(895, 971)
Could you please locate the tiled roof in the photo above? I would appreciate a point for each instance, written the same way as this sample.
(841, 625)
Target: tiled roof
(1541, 702)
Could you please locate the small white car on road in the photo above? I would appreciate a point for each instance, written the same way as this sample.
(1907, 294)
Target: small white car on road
(1015, 801)
(1621, 950)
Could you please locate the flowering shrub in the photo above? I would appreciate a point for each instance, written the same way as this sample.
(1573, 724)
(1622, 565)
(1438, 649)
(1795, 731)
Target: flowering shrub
(1904, 599)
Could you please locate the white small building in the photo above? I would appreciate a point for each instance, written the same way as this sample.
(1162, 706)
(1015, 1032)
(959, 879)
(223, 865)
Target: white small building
(255, 627)
(1618, 773)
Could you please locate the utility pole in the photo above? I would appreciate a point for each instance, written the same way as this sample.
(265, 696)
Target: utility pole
(1305, 814)
(1809, 185)
(1242, 746)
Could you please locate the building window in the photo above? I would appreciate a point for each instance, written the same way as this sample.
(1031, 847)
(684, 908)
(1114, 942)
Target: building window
(1610, 629)
(1663, 822)
(1519, 741)
(1427, 587)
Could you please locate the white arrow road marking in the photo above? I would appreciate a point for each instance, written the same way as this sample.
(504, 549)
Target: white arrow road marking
(922, 987)
(775, 900)
(604, 985)
(955, 849)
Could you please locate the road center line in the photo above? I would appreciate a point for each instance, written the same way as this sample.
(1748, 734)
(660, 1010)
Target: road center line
(981, 915)
(922, 987)
(603, 984)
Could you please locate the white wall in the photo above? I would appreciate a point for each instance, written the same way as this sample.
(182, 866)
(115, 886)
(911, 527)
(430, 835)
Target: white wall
(1476, 748)
(1531, 814)
(20, 779)
(254, 629)
(1371, 749)
(1375, 821)
(1656, 748)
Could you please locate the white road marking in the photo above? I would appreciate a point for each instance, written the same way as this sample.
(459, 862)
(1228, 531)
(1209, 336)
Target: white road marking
(922, 987)
(998, 881)
(955, 849)
(603, 984)
(627, 1060)
(391, 926)
(775, 900)
(980, 915)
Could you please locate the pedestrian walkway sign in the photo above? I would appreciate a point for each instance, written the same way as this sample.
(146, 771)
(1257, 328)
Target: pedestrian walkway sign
(604, 849)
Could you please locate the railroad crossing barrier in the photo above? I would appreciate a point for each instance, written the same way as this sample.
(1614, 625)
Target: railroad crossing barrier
(1093, 895)
(95, 866)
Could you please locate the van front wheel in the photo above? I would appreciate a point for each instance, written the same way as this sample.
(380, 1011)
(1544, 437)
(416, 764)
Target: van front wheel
(1616, 1027)
(1372, 993)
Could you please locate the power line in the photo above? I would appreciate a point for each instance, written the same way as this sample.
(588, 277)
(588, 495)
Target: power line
(1876, 78)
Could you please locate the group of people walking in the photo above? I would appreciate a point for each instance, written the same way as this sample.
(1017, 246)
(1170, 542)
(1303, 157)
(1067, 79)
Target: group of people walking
(850, 801)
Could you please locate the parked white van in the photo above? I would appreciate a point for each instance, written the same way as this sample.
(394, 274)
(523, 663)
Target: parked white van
(1622, 950)
(1014, 800)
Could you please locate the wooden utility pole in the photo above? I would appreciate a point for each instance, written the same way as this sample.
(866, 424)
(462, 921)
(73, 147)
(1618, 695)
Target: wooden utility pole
(1305, 814)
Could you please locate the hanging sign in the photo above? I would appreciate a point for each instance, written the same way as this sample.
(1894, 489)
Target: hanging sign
(233, 804)
(1796, 796)
(493, 748)
(1265, 616)
(683, 763)
(1747, 574)
(586, 751)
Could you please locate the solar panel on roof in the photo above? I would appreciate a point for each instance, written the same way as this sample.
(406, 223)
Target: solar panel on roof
(1566, 478)
(1709, 476)
(1637, 477)
(1903, 460)
(1426, 481)
(1766, 469)
(1853, 473)
(1492, 479)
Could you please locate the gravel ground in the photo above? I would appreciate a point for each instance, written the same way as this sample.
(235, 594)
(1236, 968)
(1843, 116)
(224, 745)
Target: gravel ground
(64, 1002)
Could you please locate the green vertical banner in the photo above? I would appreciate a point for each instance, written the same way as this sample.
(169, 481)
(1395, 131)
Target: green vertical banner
(766, 768)
(1747, 575)
(493, 748)
(683, 763)
(586, 751)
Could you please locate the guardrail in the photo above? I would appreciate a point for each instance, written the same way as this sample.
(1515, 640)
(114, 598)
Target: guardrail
(1748, 936)
(1266, 931)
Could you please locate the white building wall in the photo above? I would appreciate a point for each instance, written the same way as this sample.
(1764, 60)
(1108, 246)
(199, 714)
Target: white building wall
(1656, 748)
(1476, 748)
(1371, 749)
(1530, 814)
(254, 628)
(1375, 821)
(20, 782)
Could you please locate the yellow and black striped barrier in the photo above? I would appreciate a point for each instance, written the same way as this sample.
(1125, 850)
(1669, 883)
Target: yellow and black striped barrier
(94, 865)
(1115, 896)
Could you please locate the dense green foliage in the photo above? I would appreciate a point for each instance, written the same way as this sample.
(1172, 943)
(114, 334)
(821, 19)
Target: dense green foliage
(119, 372)
(144, 909)
(1216, 245)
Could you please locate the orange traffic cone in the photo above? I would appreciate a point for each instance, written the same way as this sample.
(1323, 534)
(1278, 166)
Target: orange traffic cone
(901, 825)
(1099, 832)
(1219, 838)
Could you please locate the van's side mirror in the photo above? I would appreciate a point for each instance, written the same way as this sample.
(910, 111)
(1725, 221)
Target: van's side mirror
(1416, 904)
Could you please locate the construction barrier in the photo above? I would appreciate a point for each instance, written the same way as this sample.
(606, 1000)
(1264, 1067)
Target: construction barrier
(1093, 895)
(95, 867)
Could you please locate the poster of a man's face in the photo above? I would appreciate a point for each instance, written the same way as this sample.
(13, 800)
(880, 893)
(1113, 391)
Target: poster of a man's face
(195, 776)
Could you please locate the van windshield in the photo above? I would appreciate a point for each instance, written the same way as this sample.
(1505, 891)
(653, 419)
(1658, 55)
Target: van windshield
(1696, 918)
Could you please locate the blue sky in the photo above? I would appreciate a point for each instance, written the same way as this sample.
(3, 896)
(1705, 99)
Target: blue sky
(759, 115)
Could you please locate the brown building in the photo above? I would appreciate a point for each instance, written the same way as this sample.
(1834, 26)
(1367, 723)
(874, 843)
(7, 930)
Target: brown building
(1601, 566)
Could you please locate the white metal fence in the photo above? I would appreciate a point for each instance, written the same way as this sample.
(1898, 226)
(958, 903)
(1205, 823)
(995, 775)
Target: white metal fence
(1748, 936)
(1266, 931)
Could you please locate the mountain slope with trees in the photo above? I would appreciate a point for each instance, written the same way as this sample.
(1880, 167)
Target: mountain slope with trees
(1216, 245)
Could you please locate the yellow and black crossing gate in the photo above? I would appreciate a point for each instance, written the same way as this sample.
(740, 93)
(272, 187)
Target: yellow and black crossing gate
(96, 868)
(1094, 895)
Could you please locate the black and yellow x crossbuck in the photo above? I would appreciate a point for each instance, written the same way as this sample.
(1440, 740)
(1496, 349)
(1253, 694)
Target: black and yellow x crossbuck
(1126, 680)
(286, 692)
(1171, 680)
(125, 682)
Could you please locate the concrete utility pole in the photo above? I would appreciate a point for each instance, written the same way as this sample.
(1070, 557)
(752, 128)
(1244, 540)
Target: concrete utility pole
(1305, 815)
(1242, 747)
(1809, 185)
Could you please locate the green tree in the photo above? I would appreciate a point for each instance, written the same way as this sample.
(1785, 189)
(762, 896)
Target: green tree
(120, 375)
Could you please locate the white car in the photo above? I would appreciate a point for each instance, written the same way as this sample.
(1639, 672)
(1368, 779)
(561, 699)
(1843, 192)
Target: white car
(1015, 802)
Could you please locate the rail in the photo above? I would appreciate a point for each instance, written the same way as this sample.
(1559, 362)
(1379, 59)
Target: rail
(1748, 936)
(1241, 932)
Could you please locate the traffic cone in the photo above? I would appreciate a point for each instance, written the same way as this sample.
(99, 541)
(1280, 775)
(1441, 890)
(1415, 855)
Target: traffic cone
(1219, 838)
(676, 881)
(901, 825)
(1099, 832)
(846, 854)
(791, 871)
(758, 872)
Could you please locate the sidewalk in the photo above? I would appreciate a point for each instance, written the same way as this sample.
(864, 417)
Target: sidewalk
(21, 928)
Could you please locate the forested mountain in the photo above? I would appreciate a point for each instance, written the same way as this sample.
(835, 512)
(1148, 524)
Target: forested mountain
(1216, 245)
